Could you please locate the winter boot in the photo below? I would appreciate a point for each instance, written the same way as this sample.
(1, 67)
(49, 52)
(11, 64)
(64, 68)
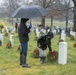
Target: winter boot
(41, 60)
(24, 65)
(44, 59)
(20, 58)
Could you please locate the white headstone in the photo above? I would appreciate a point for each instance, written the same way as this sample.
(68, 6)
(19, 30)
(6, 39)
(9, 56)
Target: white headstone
(12, 39)
(71, 33)
(63, 32)
(13, 30)
(2, 39)
(37, 32)
(62, 55)
(7, 30)
(63, 36)
(74, 34)
(54, 32)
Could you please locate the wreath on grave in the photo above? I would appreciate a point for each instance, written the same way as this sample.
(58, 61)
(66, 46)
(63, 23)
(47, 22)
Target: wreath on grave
(72, 37)
(19, 47)
(35, 53)
(52, 56)
(61, 40)
(74, 44)
(9, 45)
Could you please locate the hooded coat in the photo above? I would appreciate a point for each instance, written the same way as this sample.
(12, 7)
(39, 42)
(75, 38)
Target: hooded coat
(23, 31)
(41, 42)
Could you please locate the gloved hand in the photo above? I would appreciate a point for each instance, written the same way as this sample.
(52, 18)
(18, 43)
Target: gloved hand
(29, 26)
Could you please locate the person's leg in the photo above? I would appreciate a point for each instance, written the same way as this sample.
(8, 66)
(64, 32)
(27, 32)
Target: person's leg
(41, 55)
(24, 54)
(44, 57)
(20, 58)
(23, 59)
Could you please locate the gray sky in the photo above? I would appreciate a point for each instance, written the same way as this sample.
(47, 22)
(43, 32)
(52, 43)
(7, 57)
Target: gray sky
(1, 1)
(29, 0)
(25, 1)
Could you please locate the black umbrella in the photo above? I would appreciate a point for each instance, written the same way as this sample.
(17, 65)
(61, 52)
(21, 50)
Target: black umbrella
(29, 11)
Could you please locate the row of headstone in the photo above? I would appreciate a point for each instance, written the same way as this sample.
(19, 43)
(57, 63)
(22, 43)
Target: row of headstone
(40, 31)
(9, 29)
(11, 39)
(43, 31)
(62, 54)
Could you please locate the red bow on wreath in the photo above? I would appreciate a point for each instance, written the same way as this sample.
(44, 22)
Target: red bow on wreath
(19, 47)
(53, 54)
(35, 51)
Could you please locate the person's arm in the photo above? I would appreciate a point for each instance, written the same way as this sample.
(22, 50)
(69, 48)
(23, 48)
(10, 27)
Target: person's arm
(49, 47)
(25, 30)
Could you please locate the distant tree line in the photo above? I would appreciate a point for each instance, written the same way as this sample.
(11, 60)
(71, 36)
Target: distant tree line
(57, 9)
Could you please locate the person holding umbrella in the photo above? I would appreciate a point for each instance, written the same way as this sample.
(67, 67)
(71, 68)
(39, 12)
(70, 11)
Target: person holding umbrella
(23, 31)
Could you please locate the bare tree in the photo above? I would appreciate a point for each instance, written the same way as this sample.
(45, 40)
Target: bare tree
(74, 27)
(56, 8)
(45, 4)
(10, 6)
(66, 9)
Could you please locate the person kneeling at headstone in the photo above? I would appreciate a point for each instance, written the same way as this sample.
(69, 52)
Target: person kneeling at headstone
(41, 44)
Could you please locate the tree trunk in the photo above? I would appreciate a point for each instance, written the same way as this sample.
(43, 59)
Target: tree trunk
(43, 21)
(66, 19)
(74, 27)
(12, 21)
(51, 22)
(9, 19)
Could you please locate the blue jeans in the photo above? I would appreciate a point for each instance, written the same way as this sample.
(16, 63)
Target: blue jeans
(24, 47)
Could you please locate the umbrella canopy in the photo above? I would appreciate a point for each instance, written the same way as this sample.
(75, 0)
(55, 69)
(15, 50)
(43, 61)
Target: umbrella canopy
(29, 11)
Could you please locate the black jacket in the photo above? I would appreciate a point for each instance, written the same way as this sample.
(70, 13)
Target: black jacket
(41, 42)
(45, 41)
(23, 32)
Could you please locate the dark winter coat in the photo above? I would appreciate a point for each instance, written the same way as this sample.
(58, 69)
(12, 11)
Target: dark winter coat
(23, 31)
(45, 41)
(49, 36)
(41, 42)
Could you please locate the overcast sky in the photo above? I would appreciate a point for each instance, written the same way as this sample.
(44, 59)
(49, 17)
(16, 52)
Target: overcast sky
(29, 0)
(1, 1)
(25, 1)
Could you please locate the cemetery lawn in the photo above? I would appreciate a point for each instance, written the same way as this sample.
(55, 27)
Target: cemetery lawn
(9, 59)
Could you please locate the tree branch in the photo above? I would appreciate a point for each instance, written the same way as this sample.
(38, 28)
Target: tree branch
(74, 1)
